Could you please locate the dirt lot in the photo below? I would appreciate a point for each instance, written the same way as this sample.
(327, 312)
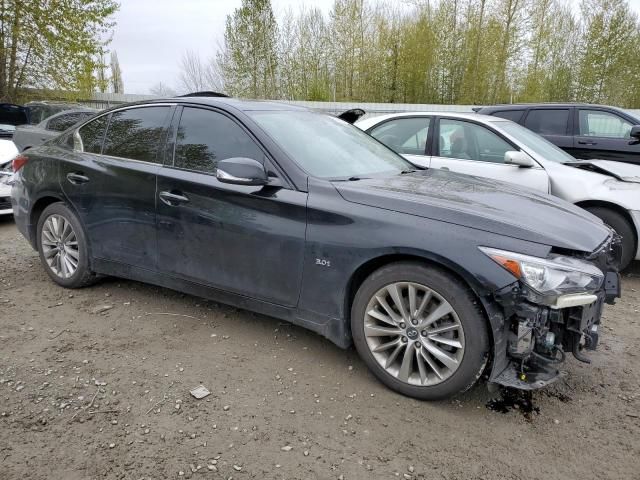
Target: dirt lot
(90, 394)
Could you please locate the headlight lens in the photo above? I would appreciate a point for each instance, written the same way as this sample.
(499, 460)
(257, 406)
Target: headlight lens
(553, 276)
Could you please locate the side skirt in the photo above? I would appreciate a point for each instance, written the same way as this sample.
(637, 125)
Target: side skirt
(330, 328)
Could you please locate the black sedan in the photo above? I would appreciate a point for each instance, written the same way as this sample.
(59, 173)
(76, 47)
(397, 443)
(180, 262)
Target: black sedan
(437, 278)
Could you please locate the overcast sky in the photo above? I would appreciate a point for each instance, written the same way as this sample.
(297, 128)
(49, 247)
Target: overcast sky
(151, 35)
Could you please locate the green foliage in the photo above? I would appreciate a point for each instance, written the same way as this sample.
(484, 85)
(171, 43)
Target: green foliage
(52, 44)
(249, 60)
(436, 51)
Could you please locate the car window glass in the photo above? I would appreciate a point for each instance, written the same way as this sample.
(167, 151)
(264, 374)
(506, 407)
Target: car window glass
(206, 137)
(470, 141)
(61, 123)
(548, 121)
(513, 115)
(88, 138)
(404, 135)
(327, 147)
(136, 133)
(596, 123)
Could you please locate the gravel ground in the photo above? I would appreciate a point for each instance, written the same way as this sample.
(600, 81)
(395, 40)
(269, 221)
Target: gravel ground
(94, 383)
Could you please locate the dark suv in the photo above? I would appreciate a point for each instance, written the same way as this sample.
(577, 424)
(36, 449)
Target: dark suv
(584, 131)
(299, 215)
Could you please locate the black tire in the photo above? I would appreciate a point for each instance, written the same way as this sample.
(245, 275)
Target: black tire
(83, 276)
(469, 313)
(623, 228)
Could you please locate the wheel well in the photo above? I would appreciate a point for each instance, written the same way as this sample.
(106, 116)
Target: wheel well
(371, 266)
(613, 207)
(36, 211)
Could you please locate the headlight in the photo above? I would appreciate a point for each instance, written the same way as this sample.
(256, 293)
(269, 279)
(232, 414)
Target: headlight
(549, 277)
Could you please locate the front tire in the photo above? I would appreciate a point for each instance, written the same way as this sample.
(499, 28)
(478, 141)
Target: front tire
(622, 228)
(63, 247)
(419, 330)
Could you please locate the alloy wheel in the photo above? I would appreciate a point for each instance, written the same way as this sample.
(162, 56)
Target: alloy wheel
(60, 246)
(414, 333)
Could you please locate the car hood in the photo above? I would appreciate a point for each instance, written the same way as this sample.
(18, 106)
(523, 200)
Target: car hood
(625, 172)
(483, 204)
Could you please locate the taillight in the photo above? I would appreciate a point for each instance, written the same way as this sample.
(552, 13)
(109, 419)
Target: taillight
(19, 162)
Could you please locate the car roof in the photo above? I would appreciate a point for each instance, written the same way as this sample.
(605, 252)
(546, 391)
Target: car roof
(245, 105)
(74, 110)
(520, 106)
(370, 121)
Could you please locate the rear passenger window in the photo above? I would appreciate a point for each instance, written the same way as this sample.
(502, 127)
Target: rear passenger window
(136, 133)
(513, 115)
(89, 137)
(206, 137)
(548, 121)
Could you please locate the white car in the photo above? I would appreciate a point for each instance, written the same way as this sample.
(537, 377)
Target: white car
(493, 147)
(7, 151)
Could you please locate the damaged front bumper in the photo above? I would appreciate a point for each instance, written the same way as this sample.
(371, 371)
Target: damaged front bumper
(533, 338)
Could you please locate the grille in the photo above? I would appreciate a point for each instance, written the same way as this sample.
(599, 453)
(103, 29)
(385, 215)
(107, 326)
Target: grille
(5, 203)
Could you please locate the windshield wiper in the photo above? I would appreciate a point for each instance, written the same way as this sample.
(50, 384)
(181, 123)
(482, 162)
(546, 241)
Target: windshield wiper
(349, 179)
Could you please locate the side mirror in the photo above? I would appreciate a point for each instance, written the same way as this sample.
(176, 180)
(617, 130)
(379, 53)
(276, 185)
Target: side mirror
(241, 171)
(635, 135)
(521, 159)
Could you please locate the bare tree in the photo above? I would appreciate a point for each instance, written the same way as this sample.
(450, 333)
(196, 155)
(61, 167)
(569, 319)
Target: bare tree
(162, 90)
(197, 75)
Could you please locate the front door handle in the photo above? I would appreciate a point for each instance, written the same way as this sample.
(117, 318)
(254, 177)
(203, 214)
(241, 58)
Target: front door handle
(584, 142)
(173, 199)
(77, 178)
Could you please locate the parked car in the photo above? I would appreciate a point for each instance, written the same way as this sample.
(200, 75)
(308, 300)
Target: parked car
(10, 116)
(584, 131)
(303, 217)
(7, 152)
(27, 136)
(40, 110)
(493, 147)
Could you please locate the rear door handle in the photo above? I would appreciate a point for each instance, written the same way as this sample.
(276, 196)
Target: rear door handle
(173, 199)
(77, 178)
(584, 142)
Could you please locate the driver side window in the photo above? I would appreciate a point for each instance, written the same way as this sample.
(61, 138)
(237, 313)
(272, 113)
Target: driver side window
(404, 135)
(597, 123)
(470, 141)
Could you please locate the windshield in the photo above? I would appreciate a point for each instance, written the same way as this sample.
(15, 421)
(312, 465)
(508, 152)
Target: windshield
(535, 143)
(327, 147)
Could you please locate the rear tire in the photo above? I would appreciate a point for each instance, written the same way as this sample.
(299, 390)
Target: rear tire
(622, 228)
(419, 330)
(63, 247)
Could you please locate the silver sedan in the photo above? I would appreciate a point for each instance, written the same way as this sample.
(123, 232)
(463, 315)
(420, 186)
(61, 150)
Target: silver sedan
(493, 147)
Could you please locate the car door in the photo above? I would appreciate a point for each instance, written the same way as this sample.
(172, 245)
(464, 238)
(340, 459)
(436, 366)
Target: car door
(235, 238)
(468, 147)
(111, 181)
(604, 135)
(407, 136)
(555, 124)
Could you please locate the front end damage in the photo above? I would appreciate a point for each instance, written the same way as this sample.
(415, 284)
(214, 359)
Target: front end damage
(535, 333)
